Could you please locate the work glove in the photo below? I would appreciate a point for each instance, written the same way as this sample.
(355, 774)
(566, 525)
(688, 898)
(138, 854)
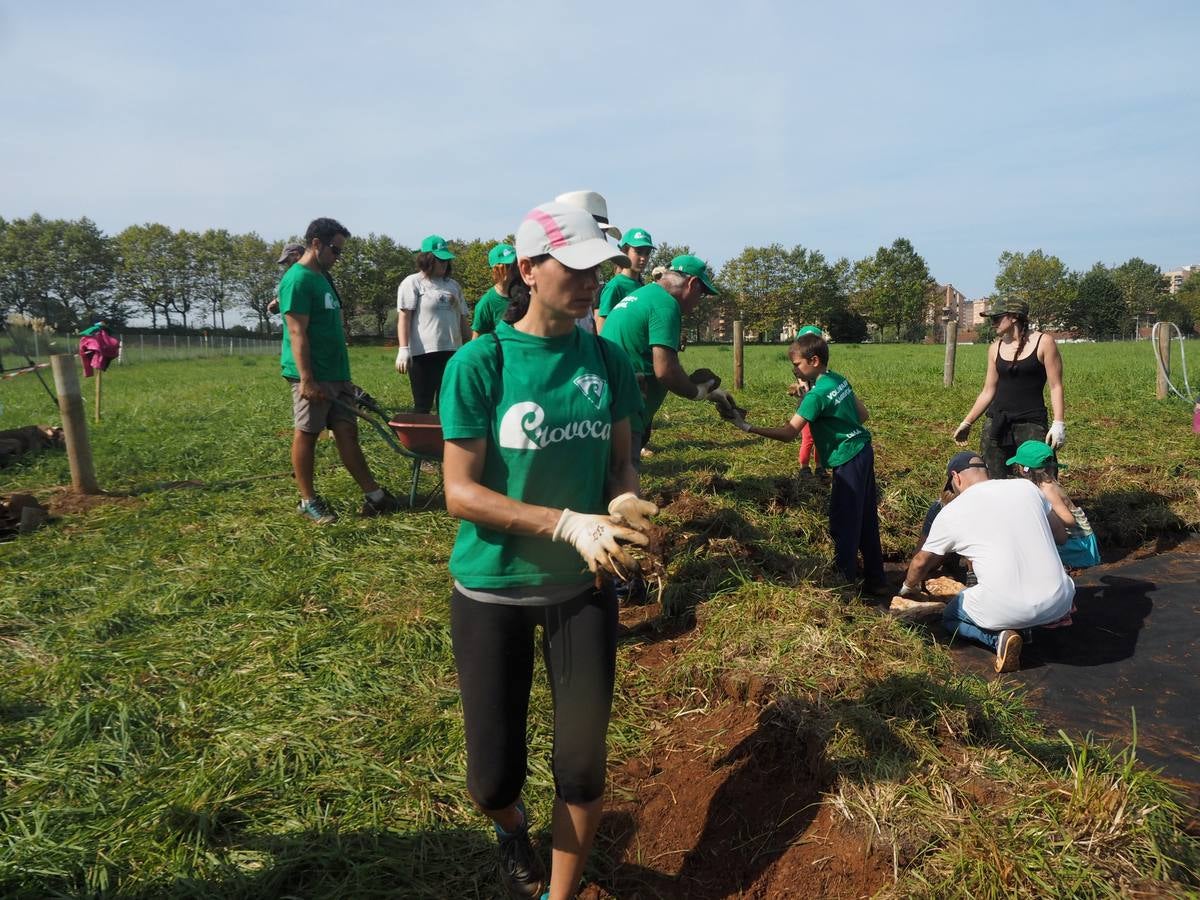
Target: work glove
(907, 590)
(739, 419)
(1057, 436)
(629, 509)
(962, 431)
(595, 537)
(402, 358)
(704, 388)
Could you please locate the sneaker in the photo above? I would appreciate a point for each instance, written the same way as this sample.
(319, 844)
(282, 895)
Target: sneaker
(385, 505)
(317, 510)
(521, 870)
(1008, 651)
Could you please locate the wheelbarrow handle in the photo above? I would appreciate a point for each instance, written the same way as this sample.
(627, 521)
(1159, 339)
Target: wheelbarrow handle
(384, 431)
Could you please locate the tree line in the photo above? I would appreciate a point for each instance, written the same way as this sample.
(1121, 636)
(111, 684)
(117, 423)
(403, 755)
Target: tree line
(70, 274)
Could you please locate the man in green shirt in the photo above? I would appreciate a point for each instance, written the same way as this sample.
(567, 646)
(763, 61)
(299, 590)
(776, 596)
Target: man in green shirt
(637, 246)
(646, 325)
(314, 359)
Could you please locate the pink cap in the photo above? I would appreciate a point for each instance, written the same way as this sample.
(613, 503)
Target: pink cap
(567, 233)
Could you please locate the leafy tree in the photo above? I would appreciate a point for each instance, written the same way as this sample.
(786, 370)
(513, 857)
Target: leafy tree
(1099, 310)
(28, 268)
(1040, 280)
(368, 274)
(1143, 288)
(764, 294)
(256, 275)
(216, 275)
(892, 287)
(471, 269)
(145, 269)
(1184, 303)
(184, 272)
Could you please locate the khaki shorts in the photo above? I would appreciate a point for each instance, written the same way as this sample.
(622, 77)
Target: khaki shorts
(313, 417)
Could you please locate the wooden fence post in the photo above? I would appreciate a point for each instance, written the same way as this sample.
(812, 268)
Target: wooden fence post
(739, 379)
(1163, 367)
(70, 404)
(951, 349)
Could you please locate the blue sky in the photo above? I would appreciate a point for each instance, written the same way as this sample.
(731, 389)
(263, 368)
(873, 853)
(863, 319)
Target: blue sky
(968, 128)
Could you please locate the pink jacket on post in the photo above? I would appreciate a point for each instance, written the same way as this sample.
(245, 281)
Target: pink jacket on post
(97, 350)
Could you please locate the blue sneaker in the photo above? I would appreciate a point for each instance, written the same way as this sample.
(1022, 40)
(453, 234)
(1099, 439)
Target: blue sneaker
(317, 510)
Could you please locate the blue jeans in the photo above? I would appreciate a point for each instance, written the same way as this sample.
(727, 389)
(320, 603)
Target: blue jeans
(957, 622)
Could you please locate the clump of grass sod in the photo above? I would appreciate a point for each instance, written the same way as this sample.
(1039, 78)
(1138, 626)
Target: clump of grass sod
(202, 695)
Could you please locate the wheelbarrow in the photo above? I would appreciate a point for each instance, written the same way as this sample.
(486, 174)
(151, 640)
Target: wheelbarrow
(415, 436)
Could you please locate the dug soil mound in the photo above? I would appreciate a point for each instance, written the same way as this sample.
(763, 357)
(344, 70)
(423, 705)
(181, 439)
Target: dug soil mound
(730, 805)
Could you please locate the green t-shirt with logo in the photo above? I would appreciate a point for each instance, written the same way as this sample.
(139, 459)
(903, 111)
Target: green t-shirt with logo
(308, 293)
(647, 318)
(489, 311)
(548, 418)
(831, 410)
(616, 291)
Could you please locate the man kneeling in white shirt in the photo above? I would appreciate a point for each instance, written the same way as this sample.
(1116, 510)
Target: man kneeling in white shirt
(1009, 533)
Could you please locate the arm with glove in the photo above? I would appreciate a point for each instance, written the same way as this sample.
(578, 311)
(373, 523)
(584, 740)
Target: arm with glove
(1052, 360)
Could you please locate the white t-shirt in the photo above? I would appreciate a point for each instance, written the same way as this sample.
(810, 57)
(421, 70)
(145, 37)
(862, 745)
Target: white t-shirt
(438, 309)
(1001, 526)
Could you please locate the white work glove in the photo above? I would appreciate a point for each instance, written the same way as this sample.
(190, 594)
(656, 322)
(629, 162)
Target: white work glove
(1057, 436)
(402, 358)
(719, 396)
(907, 590)
(595, 537)
(704, 389)
(961, 432)
(629, 509)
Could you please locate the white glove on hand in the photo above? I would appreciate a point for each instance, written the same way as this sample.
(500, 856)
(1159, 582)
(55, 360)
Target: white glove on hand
(402, 358)
(961, 432)
(704, 389)
(1057, 436)
(595, 537)
(907, 590)
(629, 509)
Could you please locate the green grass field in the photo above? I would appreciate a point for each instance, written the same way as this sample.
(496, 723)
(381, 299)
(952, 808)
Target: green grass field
(202, 695)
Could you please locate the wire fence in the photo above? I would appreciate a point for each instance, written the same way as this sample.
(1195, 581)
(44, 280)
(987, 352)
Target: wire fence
(19, 344)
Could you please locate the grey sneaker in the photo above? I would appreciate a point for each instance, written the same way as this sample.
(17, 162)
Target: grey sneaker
(1008, 651)
(385, 505)
(317, 510)
(521, 871)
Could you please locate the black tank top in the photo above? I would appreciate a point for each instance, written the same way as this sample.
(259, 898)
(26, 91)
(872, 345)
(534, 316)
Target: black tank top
(1019, 386)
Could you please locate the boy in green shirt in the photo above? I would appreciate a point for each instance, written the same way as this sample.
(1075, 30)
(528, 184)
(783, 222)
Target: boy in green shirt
(637, 246)
(836, 417)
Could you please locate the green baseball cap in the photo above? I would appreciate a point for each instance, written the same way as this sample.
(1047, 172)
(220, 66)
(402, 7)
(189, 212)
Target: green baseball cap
(436, 244)
(810, 329)
(1033, 455)
(693, 267)
(637, 237)
(502, 255)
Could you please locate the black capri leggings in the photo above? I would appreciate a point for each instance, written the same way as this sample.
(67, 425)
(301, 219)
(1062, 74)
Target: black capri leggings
(425, 373)
(493, 651)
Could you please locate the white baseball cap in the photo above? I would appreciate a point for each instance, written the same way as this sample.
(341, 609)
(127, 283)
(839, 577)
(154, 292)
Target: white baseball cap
(595, 205)
(569, 234)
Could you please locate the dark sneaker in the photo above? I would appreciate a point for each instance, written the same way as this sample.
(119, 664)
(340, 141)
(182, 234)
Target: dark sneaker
(1008, 651)
(317, 510)
(385, 505)
(521, 870)
(877, 589)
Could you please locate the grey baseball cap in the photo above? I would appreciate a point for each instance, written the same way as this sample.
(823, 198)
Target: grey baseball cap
(293, 247)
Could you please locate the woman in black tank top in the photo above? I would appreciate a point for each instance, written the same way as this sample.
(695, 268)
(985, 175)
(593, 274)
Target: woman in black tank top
(1021, 363)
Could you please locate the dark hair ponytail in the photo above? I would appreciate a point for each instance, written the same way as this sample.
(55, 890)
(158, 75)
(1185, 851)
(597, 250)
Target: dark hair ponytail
(518, 292)
(518, 297)
(1023, 329)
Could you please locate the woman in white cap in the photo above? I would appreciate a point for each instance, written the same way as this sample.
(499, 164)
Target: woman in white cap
(537, 467)
(595, 206)
(431, 321)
